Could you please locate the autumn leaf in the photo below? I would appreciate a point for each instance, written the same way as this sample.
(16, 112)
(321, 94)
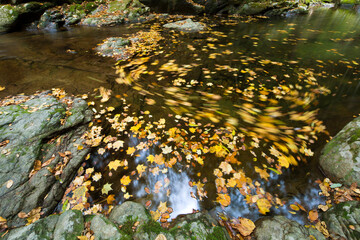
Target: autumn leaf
(159, 159)
(162, 207)
(125, 180)
(9, 183)
(262, 172)
(223, 199)
(263, 205)
(243, 225)
(114, 165)
(313, 215)
(106, 188)
(166, 150)
(225, 167)
(118, 144)
(2, 88)
(130, 150)
(141, 169)
(110, 199)
(96, 177)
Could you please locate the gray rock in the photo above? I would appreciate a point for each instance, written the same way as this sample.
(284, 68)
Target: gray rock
(340, 217)
(38, 128)
(41, 229)
(104, 229)
(129, 211)
(113, 47)
(69, 226)
(187, 25)
(340, 158)
(281, 228)
(199, 225)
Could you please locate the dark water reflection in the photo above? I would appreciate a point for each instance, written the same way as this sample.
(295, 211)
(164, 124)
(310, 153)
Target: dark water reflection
(327, 42)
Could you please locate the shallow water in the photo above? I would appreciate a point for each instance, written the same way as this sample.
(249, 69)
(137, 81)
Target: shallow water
(323, 45)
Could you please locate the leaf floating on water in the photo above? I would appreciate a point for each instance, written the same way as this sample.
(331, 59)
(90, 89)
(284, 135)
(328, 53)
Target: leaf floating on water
(264, 205)
(125, 180)
(2, 88)
(313, 215)
(114, 165)
(106, 188)
(223, 199)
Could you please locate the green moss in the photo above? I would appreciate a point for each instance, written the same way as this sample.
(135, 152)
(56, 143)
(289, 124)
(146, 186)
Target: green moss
(217, 234)
(127, 227)
(154, 227)
(355, 136)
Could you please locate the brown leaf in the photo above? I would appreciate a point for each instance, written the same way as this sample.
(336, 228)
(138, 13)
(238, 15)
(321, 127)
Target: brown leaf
(243, 225)
(313, 215)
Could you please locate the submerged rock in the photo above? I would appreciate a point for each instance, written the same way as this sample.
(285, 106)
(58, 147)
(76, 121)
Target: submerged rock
(341, 217)
(40, 153)
(340, 158)
(187, 25)
(281, 228)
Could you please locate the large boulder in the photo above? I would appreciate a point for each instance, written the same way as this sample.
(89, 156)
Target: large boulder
(15, 17)
(340, 158)
(41, 150)
(282, 228)
(343, 221)
(129, 211)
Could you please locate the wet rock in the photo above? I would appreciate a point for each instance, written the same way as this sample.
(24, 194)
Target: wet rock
(15, 17)
(175, 6)
(199, 225)
(253, 8)
(340, 158)
(129, 211)
(42, 229)
(281, 228)
(104, 229)
(339, 219)
(113, 46)
(115, 13)
(187, 25)
(152, 231)
(41, 154)
(70, 225)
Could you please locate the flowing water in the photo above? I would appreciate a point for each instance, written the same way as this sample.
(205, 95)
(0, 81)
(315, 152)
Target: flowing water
(231, 82)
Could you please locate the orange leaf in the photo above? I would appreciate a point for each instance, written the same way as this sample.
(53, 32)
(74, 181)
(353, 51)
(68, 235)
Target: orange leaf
(313, 215)
(223, 199)
(263, 205)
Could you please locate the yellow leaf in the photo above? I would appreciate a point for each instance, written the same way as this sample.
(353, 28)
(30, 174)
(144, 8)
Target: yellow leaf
(162, 207)
(106, 188)
(110, 199)
(263, 205)
(125, 180)
(130, 150)
(150, 158)
(223, 199)
(82, 237)
(243, 225)
(2, 88)
(159, 159)
(141, 168)
(294, 207)
(114, 165)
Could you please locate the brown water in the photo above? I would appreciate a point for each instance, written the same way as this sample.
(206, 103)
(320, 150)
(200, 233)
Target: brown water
(325, 42)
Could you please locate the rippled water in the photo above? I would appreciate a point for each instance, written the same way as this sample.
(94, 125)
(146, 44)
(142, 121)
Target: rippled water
(325, 43)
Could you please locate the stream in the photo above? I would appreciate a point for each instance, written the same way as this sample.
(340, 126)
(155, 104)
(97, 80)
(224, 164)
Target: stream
(246, 85)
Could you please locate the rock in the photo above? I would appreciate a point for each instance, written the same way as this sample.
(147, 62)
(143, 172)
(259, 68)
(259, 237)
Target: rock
(175, 6)
(115, 13)
(113, 47)
(39, 130)
(340, 217)
(187, 25)
(69, 226)
(199, 226)
(253, 8)
(15, 17)
(281, 228)
(129, 211)
(41, 229)
(104, 229)
(340, 158)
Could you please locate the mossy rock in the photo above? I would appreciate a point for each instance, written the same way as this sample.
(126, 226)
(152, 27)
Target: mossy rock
(340, 158)
(339, 219)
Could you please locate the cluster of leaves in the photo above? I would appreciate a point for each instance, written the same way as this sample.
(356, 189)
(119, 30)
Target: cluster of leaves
(230, 119)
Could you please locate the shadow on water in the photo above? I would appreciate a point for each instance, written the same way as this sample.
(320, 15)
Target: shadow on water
(325, 43)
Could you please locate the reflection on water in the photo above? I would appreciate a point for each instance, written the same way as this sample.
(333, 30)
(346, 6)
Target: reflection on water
(225, 114)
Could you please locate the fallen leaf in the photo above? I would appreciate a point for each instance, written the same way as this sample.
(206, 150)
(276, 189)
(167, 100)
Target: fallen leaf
(9, 183)
(313, 215)
(125, 180)
(223, 199)
(243, 225)
(263, 205)
(106, 188)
